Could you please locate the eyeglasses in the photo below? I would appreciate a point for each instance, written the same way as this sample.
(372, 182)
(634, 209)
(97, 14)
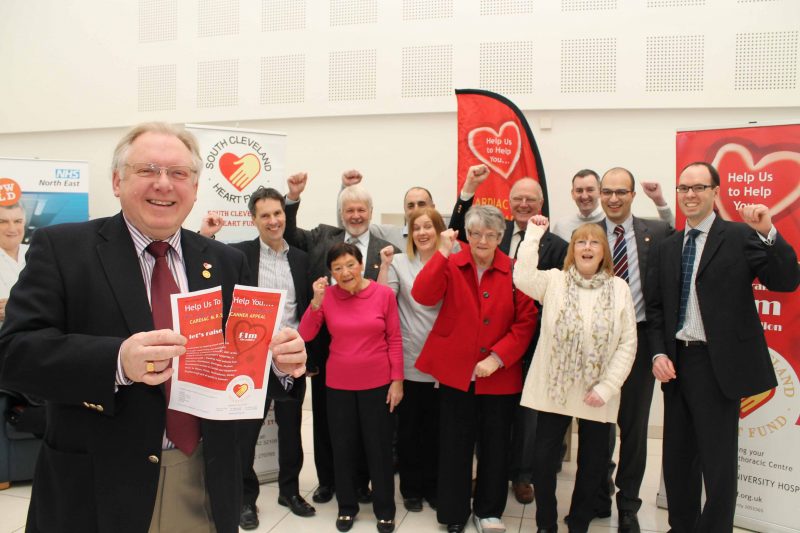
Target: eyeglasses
(521, 199)
(591, 244)
(683, 189)
(621, 193)
(346, 267)
(151, 170)
(478, 236)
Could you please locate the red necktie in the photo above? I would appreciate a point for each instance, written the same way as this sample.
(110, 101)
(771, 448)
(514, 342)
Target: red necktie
(183, 429)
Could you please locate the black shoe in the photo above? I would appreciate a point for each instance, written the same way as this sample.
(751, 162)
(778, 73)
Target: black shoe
(553, 529)
(248, 518)
(385, 526)
(431, 501)
(455, 528)
(413, 504)
(297, 505)
(364, 495)
(628, 522)
(323, 494)
(344, 523)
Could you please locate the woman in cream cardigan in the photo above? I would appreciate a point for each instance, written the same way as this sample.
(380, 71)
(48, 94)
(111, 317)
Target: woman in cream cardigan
(585, 351)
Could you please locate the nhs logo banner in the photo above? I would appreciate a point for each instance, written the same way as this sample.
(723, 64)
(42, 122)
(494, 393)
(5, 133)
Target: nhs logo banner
(49, 191)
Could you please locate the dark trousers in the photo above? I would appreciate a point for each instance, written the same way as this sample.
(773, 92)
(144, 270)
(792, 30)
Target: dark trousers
(592, 463)
(323, 451)
(360, 420)
(700, 446)
(523, 440)
(634, 414)
(467, 419)
(288, 416)
(418, 439)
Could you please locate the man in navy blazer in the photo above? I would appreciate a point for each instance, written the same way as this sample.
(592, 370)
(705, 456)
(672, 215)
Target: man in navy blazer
(275, 265)
(708, 343)
(80, 334)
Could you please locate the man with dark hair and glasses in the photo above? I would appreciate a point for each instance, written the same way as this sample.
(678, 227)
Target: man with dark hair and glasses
(631, 239)
(708, 343)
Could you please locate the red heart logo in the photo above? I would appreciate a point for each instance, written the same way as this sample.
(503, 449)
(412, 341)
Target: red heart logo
(239, 171)
(750, 404)
(240, 389)
(497, 150)
(773, 180)
(247, 336)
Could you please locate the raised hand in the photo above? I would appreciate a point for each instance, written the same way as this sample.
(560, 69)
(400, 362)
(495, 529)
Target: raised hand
(351, 177)
(653, 191)
(296, 184)
(540, 220)
(757, 217)
(289, 352)
(319, 292)
(476, 175)
(447, 241)
(387, 252)
(211, 224)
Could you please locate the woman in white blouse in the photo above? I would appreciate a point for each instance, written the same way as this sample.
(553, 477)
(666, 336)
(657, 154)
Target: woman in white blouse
(585, 351)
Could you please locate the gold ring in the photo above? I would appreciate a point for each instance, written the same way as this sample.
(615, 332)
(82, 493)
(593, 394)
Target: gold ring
(151, 367)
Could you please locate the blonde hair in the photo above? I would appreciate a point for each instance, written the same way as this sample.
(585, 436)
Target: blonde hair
(590, 230)
(438, 226)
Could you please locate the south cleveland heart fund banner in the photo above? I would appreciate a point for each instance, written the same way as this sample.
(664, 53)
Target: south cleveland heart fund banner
(761, 165)
(493, 131)
(235, 162)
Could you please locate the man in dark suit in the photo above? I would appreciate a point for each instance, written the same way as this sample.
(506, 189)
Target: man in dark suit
(708, 343)
(525, 200)
(80, 334)
(275, 265)
(630, 239)
(355, 211)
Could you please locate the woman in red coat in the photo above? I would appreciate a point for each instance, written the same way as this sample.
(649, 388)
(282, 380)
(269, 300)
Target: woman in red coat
(474, 351)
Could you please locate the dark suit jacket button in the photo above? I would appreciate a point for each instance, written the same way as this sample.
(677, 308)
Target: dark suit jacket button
(485, 294)
(485, 321)
(153, 459)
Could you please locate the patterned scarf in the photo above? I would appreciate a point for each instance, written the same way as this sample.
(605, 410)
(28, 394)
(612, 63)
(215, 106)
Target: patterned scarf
(570, 360)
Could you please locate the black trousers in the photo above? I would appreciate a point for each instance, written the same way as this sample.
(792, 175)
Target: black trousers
(323, 450)
(701, 435)
(288, 416)
(523, 440)
(634, 414)
(418, 439)
(467, 419)
(361, 420)
(592, 463)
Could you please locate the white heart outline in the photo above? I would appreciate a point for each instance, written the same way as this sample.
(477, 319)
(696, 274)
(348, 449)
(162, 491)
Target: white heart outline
(494, 132)
(764, 161)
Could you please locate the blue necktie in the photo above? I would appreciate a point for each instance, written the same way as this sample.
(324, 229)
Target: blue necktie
(687, 266)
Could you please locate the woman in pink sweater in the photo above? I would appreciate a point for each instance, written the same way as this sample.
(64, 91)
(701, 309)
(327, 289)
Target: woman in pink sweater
(364, 379)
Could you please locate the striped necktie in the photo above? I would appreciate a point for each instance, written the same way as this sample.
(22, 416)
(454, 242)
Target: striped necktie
(687, 267)
(183, 429)
(620, 254)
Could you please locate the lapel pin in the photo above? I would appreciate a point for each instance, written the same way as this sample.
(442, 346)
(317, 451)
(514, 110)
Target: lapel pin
(207, 266)
(206, 274)
(376, 266)
(647, 239)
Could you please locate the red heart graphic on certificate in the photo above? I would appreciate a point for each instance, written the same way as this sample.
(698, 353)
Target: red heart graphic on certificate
(498, 150)
(247, 336)
(773, 180)
(240, 389)
(750, 404)
(239, 171)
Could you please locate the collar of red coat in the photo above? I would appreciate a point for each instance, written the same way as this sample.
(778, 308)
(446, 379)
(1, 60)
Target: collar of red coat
(500, 262)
